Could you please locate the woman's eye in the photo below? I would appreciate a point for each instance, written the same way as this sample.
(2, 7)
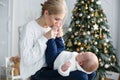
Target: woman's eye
(57, 19)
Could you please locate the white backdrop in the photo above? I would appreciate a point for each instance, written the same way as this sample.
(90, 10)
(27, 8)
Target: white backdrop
(5, 29)
(23, 12)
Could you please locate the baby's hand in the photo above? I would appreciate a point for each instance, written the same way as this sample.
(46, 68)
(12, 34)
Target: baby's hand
(66, 65)
(51, 34)
(60, 32)
(54, 32)
(59, 29)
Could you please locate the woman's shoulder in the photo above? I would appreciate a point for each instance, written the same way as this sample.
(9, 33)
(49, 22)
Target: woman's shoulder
(29, 26)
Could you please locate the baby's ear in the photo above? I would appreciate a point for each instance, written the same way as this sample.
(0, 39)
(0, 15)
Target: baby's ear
(80, 63)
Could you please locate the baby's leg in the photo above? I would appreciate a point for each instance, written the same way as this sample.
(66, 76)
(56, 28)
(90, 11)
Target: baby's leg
(51, 53)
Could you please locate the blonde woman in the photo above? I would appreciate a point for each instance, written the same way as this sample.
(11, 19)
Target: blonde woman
(34, 37)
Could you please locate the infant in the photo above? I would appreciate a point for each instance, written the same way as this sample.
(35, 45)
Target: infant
(70, 61)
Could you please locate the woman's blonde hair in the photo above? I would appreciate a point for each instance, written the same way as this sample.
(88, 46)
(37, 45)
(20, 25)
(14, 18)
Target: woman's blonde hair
(54, 7)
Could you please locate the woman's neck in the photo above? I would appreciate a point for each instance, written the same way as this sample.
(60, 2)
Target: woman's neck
(41, 22)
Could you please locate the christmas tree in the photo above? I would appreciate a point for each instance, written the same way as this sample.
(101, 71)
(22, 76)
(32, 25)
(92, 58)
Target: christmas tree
(89, 31)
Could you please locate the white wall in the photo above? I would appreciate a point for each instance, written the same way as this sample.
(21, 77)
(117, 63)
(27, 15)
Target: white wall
(111, 11)
(5, 29)
(70, 8)
(23, 12)
(118, 30)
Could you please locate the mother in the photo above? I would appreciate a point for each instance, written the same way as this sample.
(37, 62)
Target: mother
(33, 40)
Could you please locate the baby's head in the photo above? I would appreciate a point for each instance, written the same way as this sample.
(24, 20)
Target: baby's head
(88, 61)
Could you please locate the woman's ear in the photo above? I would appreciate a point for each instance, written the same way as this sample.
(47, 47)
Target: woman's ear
(46, 12)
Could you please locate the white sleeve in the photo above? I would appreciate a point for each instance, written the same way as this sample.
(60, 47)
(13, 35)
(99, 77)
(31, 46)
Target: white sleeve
(64, 73)
(31, 52)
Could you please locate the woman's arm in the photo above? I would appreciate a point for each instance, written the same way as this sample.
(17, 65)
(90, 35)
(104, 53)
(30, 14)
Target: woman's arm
(31, 52)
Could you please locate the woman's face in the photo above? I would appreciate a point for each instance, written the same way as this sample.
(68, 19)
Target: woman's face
(55, 20)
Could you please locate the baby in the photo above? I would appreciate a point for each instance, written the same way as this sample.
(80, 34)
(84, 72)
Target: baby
(70, 61)
(64, 61)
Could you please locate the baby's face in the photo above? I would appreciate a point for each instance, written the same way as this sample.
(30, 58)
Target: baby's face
(81, 57)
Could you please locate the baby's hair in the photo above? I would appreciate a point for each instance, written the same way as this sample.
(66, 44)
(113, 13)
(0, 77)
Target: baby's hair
(90, 64)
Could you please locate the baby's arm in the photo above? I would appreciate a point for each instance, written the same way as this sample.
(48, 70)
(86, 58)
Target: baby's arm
(64, 69)
(65, 66)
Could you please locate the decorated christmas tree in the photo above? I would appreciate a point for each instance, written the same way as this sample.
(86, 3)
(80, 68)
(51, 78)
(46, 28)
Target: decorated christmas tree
(89, 31)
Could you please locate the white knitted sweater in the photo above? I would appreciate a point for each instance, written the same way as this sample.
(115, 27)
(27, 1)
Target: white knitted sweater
(32, 49)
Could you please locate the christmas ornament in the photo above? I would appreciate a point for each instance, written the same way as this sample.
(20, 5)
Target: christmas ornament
(95, 43)
(78, 50)
(109, 59)
(72, 36)
(82, 2)
(105, 51)
(105, 44)
(107, 66)
(84, 33)
(86, 6)
(99, 2)
(80, 14)
(103, 78)
(101, 64)
(70, 29)
(81, 48)
(79, 43)
(88, 17)
(69, 44)
(95, 27)
(100, 59)
(96, 14)
(75, 42)
(88, 32)
(92, 0)
(77, 22)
